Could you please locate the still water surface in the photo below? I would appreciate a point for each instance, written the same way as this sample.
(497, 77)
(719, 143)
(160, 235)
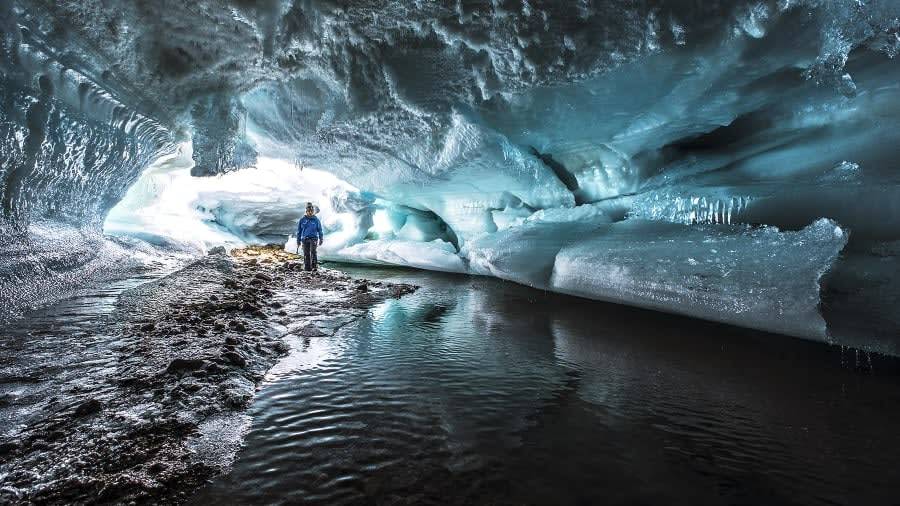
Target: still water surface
(476, 391)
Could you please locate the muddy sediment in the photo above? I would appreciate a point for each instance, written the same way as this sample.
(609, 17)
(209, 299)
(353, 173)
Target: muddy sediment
(189, 347)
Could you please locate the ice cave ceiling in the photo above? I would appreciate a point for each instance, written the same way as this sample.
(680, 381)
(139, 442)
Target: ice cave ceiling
(714, 158)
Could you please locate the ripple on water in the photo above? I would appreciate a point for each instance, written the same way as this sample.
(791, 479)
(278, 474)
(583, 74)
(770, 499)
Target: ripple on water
(477, 391)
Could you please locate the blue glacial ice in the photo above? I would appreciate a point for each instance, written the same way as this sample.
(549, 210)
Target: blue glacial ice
(733, 161)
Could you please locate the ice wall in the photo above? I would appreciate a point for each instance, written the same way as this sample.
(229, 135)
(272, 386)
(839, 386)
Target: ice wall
(539, 141)
(70, 146)
(730, 274)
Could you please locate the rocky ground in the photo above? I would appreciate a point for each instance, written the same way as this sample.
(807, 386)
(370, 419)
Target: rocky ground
(188, 348)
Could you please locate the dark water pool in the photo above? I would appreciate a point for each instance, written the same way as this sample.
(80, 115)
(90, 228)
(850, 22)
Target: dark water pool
(476, 391)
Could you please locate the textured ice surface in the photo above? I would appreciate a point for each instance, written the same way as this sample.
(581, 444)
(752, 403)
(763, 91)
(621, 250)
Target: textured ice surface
(526, 253)
(761, 278)
(754, 277)
(489, 137)
(54, 259)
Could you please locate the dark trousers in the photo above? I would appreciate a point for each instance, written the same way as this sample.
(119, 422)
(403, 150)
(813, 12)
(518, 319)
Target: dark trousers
(310, 260)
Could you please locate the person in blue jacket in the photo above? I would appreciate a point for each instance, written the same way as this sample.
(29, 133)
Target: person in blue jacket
(309, 234)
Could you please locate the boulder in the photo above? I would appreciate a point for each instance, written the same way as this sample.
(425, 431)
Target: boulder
(234, 358)
(182, 365)
(88, 407)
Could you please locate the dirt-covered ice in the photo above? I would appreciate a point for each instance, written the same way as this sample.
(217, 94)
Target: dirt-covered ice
(179, 357)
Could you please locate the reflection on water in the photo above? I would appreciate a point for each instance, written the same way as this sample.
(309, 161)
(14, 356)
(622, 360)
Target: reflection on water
(56, 352)
(477, 391)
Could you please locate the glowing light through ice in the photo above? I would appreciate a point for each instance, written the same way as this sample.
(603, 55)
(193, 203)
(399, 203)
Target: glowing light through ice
(168, 205)
(382, 224)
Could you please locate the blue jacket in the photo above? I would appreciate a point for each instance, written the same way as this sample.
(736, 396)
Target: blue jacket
(309, 227)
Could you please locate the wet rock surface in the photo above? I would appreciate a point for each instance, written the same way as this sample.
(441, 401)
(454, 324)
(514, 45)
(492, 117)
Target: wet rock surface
(182, 350)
